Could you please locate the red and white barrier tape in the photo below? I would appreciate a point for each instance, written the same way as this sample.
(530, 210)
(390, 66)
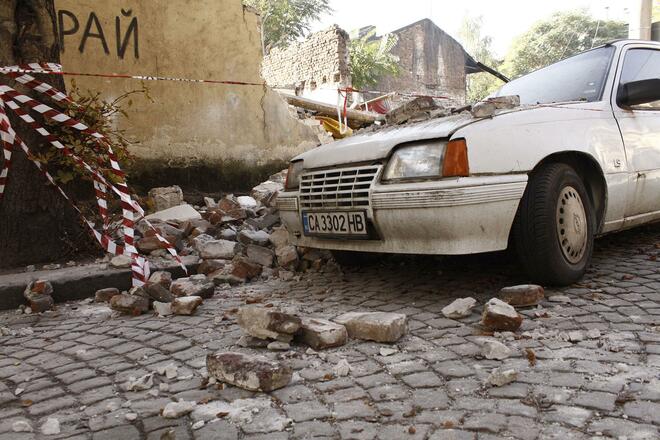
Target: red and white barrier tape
(10, 98)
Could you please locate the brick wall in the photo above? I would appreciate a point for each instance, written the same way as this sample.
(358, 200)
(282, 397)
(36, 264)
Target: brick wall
(320, 62)
(431, 63)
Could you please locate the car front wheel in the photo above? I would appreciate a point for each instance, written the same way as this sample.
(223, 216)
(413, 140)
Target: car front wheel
(554, 228)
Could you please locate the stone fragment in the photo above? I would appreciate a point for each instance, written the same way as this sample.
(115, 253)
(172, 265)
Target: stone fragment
(385, 351)
(129, 304)
(131, 417)
(260, 255)
(21, 426)
(174, 410)
(576, 336)
(179, 213)
(221, 277)
(104, 295)
(266, 192)
(593, 333)
(260, 238)
(158, 292)
(242, 268)
(522, 296)
(483, 109)
(210, 202)
(217, 249)
(279, 237)
(169, 371)
(161, 277)
(491, 349)
(267, 323)
(500, 316)
(142, 383)
(149, 244)
(374, 326)
(186, 305)
(121, 262)
(228, 234)
(287, 257)
(50, 427)
(321, 334)
(166, 197)
(195, 285)
(207, 267)
(460, 308)
(249, 372)
(278, 346)
(246, 202)
(500, 378)
(38, 295)
(162, 308)
(342, 368)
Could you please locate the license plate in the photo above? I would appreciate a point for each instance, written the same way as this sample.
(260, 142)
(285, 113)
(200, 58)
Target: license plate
(352, 224)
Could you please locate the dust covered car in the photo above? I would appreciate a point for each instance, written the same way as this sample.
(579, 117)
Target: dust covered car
(579, 157)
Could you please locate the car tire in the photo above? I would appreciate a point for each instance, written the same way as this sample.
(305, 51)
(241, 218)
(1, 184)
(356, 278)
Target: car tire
(354, 259)
(554, 227)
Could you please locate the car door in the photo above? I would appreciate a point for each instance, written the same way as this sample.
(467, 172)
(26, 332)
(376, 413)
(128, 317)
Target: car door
(640, 130)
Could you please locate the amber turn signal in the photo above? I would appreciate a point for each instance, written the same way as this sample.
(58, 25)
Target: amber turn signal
(455, 163)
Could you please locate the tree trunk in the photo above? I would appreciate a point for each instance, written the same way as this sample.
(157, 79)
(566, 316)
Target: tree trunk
(36, 223)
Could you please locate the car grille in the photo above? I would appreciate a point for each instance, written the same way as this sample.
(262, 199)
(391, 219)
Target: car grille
(337, 188)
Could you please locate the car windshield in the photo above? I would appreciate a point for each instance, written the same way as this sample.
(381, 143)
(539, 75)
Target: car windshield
(579, 78)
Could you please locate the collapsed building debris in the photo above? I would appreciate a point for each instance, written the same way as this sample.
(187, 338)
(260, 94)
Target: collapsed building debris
(500, 316)
(254, 373)
(522, 296)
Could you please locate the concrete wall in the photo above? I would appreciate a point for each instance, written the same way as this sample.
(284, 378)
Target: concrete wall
(432, 63)
(655, 29)
(316, 67)
(187, 124)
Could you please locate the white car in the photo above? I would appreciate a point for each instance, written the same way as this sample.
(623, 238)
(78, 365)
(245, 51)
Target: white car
(580, 157)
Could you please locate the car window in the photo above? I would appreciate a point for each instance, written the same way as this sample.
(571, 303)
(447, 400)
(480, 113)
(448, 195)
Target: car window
(579, 78)
(640, 64)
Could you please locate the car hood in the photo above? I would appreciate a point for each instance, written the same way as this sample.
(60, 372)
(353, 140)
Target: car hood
(378, 144)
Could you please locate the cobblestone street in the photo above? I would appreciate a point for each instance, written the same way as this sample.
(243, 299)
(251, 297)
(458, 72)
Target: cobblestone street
(588, 359)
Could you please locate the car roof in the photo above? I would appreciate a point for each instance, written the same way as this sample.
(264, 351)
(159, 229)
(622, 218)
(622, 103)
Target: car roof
(624, 41)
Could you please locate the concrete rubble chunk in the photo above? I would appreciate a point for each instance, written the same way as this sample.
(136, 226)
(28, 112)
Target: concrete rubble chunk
(217, 250)
(244, 269)
(374, 326)
(129, 304)
(51, 427)
(522, 296)
(142, 383)
(195, 285)
(500, 316)
(278, 346)
(186, 305)
(162, 308)
(287, 257)
(247, 341)
(560, 299)
(246, 202)
(158, 292)
(500, 377)
(260, 255)
(268, 323)
(38, 295)
(174, 410)
(321, 334)
(104, 295)
(491, 349)
(166, 197)
(161, 277)
(460, 308)
(254, 373)
(179, 213)
(260, 238)
(207, 267)
(121, 262)
(21, 426)
(342, 368)
(266, 192)
(279, 237)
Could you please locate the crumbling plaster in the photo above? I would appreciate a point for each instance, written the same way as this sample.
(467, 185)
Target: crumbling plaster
(187, 123)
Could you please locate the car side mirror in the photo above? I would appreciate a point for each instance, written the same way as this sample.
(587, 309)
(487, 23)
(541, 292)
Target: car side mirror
(639, 92)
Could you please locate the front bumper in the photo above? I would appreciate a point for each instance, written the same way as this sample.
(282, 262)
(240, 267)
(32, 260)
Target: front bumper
(461, 216)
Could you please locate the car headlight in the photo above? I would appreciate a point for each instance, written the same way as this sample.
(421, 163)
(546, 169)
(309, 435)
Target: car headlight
(428, 159)
(293, 175)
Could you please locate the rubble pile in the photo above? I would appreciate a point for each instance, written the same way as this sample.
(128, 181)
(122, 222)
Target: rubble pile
(39, 296)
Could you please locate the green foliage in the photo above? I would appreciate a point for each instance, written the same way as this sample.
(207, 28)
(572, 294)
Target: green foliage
(99, 115)
(372, 59)
(479, 85)
(285, 21)
(562, 35)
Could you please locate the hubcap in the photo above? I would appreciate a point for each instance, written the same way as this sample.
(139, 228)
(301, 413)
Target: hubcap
(572, 227)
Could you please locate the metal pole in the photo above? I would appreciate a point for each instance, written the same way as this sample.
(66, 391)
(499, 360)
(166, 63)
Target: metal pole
(640, 20)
